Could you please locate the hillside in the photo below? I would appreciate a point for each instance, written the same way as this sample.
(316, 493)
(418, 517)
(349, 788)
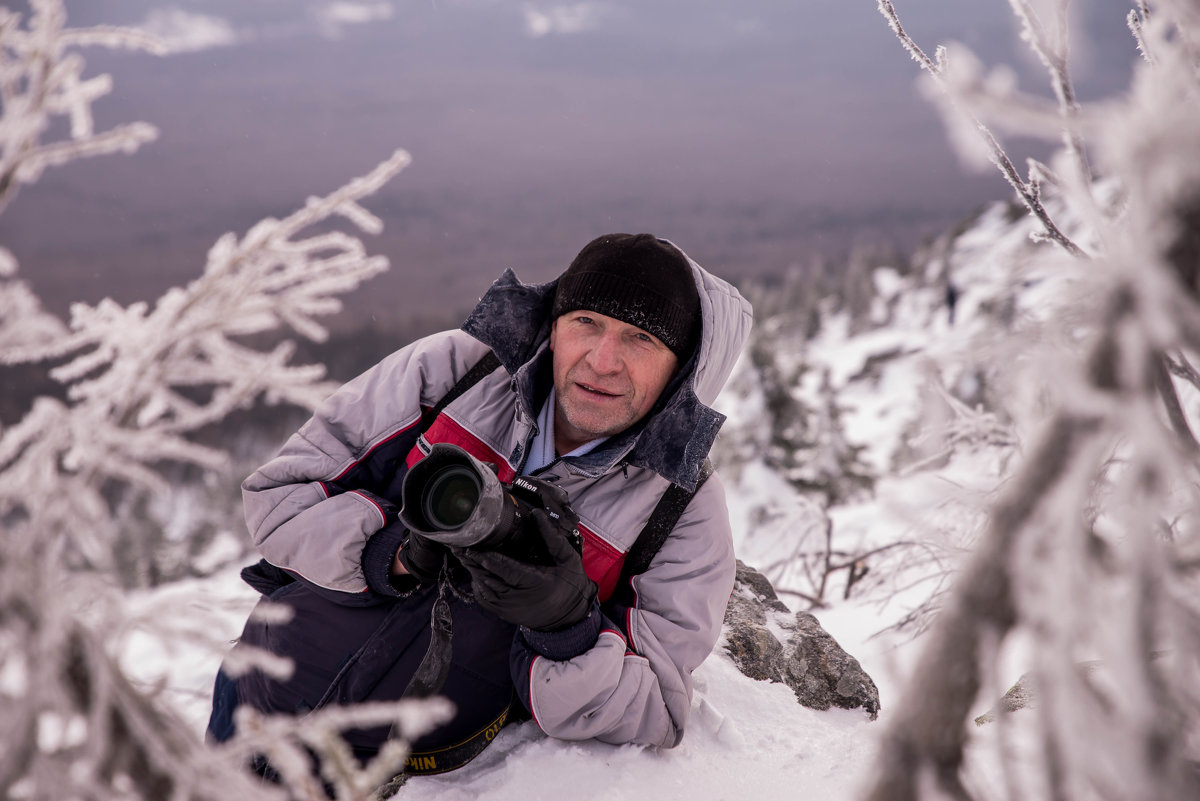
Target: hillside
(858, 459)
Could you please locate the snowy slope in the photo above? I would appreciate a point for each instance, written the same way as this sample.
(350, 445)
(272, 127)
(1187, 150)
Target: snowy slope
(750, 739)
(747, 739)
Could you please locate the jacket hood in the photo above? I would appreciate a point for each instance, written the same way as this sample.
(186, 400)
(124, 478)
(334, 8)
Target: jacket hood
(513, 319)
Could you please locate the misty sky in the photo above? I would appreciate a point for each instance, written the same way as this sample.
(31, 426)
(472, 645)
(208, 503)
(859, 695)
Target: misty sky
(754, 133)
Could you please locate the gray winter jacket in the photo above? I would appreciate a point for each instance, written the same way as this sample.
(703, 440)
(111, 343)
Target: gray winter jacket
(631, 682)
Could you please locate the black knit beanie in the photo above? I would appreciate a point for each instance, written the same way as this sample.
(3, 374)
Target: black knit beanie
(638, 279)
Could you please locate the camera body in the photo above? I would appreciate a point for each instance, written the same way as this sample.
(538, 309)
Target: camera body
(455, 499)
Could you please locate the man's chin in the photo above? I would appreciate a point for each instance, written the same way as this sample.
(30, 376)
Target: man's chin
(594, 425)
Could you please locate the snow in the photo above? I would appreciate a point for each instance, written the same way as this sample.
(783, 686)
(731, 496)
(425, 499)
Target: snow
(881, 438)
(746, 739)
(203, 617)
(934, 460)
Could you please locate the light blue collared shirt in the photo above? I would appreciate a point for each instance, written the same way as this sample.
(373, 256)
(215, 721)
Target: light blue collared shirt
(541, 450)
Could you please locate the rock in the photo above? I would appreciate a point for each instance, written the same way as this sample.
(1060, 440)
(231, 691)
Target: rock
(1024, 694)
(809, 660)
(1019, 696)
(756, 652)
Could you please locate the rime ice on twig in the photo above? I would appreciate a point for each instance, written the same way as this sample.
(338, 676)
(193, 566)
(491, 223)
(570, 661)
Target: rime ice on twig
(289, 744)
(1090, 549)
(939, 70)
(1136, 20)
(138, 381)
(40, 79)
(1052, 46)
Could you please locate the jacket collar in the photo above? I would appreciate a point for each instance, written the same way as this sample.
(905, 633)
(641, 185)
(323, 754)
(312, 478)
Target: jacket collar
(513, 319)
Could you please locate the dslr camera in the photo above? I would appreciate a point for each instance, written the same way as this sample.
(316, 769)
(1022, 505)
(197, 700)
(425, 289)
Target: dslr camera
(455, 499)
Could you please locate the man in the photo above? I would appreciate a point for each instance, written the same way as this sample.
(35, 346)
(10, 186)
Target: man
(602, 391)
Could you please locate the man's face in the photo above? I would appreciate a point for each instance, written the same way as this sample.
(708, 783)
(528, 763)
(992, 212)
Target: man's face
(607, 376)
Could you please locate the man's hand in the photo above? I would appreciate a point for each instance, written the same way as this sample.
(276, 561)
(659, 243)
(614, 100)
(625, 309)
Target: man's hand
(420, 558)
(545, 597)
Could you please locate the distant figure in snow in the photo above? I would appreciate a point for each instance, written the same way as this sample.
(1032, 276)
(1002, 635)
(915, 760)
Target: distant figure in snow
(951, 299)
(596, 404)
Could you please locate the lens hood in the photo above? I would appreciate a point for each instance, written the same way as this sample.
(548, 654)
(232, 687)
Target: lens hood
(455, 499)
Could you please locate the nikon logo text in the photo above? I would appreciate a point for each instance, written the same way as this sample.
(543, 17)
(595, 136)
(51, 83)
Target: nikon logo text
(421, 763)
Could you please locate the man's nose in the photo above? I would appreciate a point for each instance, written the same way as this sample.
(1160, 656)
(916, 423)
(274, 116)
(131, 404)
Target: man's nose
(604, 357)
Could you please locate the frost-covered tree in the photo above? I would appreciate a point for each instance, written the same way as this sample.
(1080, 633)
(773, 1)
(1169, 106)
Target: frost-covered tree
(1088, 559)
(41, 81)
(788, 423)
(139, 381)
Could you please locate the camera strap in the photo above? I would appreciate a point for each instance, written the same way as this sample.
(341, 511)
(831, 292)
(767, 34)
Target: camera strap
(660, 525)
(435, 665)
(431, 674)
(484, 367)
(441, 760)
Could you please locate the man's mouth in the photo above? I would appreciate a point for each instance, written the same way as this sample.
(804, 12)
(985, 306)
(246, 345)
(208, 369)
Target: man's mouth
(596, 391)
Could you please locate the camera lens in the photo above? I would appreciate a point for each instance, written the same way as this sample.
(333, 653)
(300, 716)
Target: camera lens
(450, 497)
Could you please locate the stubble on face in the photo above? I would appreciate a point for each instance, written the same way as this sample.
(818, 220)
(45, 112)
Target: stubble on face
(607, 376)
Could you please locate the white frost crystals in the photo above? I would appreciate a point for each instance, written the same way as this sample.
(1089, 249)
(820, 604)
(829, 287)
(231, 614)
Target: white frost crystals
(40, 79)
(140, 379)
(1089, 550)
(78, 467)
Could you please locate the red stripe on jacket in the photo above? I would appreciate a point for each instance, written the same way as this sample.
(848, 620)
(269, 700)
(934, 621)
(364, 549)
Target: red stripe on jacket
(445, 429)
(601, 561)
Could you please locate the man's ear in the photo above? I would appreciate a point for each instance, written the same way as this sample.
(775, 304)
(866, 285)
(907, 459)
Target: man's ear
(553, 328)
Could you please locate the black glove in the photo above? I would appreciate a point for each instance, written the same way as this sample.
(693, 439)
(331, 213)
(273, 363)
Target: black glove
(422, 558)
(543, 596)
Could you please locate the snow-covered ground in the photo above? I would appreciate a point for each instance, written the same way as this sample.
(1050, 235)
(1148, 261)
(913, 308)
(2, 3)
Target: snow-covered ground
(746, 739)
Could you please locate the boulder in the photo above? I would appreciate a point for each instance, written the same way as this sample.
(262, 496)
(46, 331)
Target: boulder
(808, 659)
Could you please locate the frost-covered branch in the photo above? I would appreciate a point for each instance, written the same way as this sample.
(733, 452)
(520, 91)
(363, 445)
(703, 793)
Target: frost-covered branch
(1174, 409)
(967, 426)
(40, 82)
(139, 382)
(1136, 20)
(288, 745)
(1089, 552)
(84, 730)
(1000, 591)
(1052, 46)
(139, 379)
(40, 79)
(1182, 367)
(957, 85)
